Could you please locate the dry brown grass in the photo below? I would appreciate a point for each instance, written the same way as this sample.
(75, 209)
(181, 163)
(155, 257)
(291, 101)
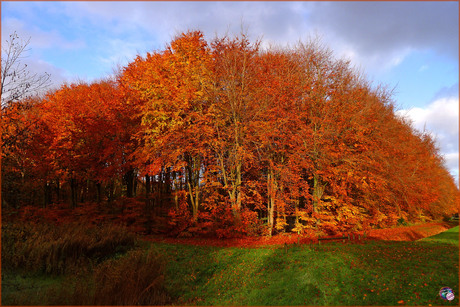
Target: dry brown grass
(135, 279)
(60, 249)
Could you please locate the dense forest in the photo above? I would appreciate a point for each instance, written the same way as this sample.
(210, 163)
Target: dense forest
(226, 138)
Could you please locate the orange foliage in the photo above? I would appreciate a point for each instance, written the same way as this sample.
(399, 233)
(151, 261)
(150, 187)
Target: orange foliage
(229, 139)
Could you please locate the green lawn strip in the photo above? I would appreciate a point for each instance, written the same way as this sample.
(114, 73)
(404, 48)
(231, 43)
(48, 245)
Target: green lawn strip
(449, 237)
(375, 273)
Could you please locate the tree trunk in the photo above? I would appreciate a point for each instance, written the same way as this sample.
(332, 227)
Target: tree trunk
(84, 192)
(46, 194)
(194, 201)
(283, 211)
(148, 205)
(318, 191)
(176, 191)
(111, 193)
(73, 193)
(58, 190)
(135, 186)
(238, 191)
(296, 204)
(129, 181)
(147, 185)
(99, 192)
(271, 201)
(193, 184)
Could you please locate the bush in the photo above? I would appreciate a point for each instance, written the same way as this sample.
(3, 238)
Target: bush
(134, 279)
(58, 249)
(402, 222)
(218, 220)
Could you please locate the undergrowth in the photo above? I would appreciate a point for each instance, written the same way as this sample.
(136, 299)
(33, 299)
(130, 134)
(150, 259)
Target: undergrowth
(134, 279)
(47, 248)
(44, 264)
(353, 274)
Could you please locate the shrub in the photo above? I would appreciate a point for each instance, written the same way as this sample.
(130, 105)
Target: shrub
(58, 249)
(402, 222)
(136, 279)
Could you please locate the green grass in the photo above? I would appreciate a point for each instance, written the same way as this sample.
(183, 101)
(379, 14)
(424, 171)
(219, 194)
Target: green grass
(20, 288)
(448, 237)
(374, 273)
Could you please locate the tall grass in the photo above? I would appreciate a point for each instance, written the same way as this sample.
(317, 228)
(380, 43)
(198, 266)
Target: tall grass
(134, 279)
(61, 249)
(79, 265)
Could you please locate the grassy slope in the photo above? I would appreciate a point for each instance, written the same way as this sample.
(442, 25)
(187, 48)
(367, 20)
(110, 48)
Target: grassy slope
(449, 237)
(376, 273)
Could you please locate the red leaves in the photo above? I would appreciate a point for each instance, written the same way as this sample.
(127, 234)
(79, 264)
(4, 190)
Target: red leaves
(292, 136)
(406, 233)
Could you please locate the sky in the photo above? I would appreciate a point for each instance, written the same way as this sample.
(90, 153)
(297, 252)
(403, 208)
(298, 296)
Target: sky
(408, 47)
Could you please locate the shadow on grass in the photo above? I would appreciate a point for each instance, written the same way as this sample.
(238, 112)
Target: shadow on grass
(375, 273)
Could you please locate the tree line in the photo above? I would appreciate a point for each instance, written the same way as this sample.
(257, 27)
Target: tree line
(228, 134)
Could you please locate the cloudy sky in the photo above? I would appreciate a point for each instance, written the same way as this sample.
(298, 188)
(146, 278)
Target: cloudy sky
(409, 46)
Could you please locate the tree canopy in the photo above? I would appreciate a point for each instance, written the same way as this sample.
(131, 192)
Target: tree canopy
(230, 137)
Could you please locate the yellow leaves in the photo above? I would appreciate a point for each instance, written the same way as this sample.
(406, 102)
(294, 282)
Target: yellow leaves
(280, 224)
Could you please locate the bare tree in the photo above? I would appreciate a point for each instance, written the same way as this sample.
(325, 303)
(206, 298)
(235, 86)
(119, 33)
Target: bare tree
(17, 82)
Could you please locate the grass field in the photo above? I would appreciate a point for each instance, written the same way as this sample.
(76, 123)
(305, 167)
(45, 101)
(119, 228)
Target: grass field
(374, 273)
(449, 237)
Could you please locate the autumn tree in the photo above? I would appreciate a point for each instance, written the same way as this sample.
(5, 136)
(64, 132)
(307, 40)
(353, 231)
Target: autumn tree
(18, 88)
(173, 88)
(273, 132)
(232, 111)
(90, 136)
(228, 135)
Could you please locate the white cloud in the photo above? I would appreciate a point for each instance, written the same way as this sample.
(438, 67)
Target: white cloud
(120, 52)
(377, 36)
(31, 56)
(375, 62)
(38, 38)
(276, 21)
(376, 28)
(441, 118)
(452, 164)
(58, 76)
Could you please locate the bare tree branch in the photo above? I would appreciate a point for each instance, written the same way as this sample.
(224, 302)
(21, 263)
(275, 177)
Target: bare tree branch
(17, 82)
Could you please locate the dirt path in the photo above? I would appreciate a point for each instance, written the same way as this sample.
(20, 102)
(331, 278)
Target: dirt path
(409, 233)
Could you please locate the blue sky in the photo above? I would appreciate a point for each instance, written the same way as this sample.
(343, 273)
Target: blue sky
(409, 46)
